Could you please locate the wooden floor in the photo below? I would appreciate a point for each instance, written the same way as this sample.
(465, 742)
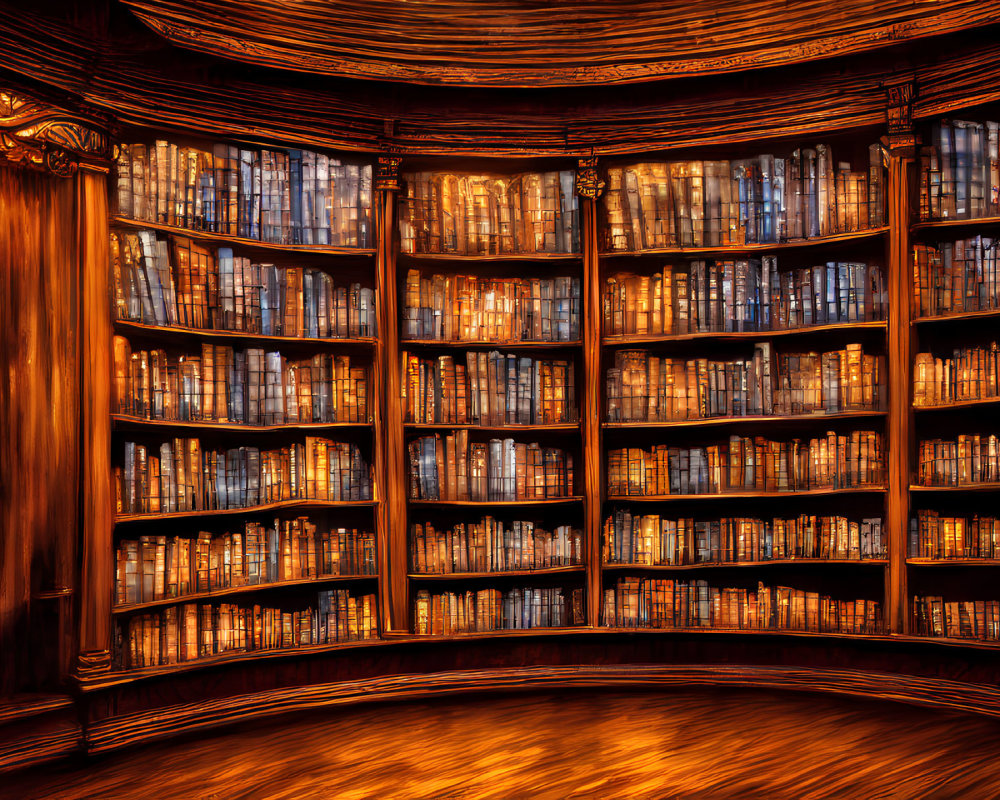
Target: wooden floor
(705, 745)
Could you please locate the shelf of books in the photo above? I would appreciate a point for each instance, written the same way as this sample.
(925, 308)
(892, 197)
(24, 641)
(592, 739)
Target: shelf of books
(490, 367)
(243, 399)
(954, 535)
(743, 329)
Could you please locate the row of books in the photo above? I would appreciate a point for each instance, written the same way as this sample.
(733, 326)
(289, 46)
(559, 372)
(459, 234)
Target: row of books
(245, 386)
(739, 296)
(667, 603)
(971, 458)
(766, 198)
(183, 477)
(956, 277)
(190, 631)
(834, 461)
(491, 545)
(446, 613)
(160, 567)
(490, 389)
(179, 282)
(972, 373)
(284, 196)
(962, 619)
(498, 470)
(960, 171)
(936, 536)
(474, 308)
(643, 387)
(532, 212)
(655, 540)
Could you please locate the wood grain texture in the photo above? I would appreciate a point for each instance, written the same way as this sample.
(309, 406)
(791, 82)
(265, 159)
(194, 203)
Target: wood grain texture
(39, 418)
(728, 730)
(579, 43)
(593, 484)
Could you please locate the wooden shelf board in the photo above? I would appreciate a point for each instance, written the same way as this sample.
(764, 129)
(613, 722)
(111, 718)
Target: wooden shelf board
(772, 419)
(126, 518)
(743, 495)
(513, 573)
(965, 487)
(783, 632)
(490, 257)
(959, 404)
(442, 426)
(547, 501)
(127, 326)
(818, 241)
(239, 241)
(238, 590)
(776, 562)
(22, 706)
(944, 224)
(632, 340)
(126, 422)
(988, 313)
(493, 343)
(953, 562)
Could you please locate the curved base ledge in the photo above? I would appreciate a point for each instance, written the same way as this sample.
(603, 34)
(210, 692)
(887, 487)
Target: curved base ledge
(168, 721)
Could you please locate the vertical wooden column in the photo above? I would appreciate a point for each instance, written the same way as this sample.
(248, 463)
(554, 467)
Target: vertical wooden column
(390, 449)
(96, 575)
(588, 187)
(901, 155)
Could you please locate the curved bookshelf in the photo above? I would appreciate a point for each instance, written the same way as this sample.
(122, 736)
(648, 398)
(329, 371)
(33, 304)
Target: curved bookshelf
(950, 224)
(959, 405)
(513, 428)
(169, 331)
(666, 498)
(767, 247)
(963, 487)
(126, 422)
(953, 562)
(574, 569)
(490, 257)
(220, 512)
(755, 420)
(986, 313)
(230, 591)
(776, 562)
(240, 241)
(545, 501)
(494, 343)
(630, 340)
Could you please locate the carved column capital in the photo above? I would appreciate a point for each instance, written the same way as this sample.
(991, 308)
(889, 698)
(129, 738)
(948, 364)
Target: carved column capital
(387, 173)
(588, 181)
(900, 93)
(43, 137)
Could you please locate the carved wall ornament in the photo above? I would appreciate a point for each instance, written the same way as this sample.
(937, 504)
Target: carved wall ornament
(387, 173)
(899, 96)
(46, 138)
(588, 181)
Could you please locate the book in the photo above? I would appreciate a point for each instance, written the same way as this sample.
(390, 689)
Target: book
(969, 459)
(955, 277)
(959, 171)
(956, 619)
(635, 602)
(482, 214)
(741, 464)
(492, 545)
(971, 373)
(522, 607)
(255, 193)
(656, 540)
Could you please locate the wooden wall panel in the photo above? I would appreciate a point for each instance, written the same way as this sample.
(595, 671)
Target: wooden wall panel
(39, 420)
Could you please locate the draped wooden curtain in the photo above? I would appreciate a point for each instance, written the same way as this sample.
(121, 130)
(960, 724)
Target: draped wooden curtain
(39, 426)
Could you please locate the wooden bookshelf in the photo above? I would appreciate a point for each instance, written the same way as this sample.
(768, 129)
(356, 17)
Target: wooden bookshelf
(173, 332)
(226, 239)
(669, 498)
(959, 405)
(516, 344)
(750, 420)
(220, 512)
(960, 488)
(500, 258)
(125, 422)
(770, 562)
(513, 428)
(949, 226)
(495, 574)
(988, 314)
(737, 336)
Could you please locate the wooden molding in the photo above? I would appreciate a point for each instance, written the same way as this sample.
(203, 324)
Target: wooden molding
(42, 137)
(387, 173)
(131, 729)
(588, 182)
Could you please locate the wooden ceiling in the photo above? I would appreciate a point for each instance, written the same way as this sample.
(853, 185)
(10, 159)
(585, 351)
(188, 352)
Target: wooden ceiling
(522, 43)
(109, 66)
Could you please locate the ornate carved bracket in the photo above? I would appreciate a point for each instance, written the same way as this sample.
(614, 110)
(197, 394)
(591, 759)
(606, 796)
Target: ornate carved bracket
(43, 137)
(900, 94)
(588, 182)
(92, 663)
(387, 173)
